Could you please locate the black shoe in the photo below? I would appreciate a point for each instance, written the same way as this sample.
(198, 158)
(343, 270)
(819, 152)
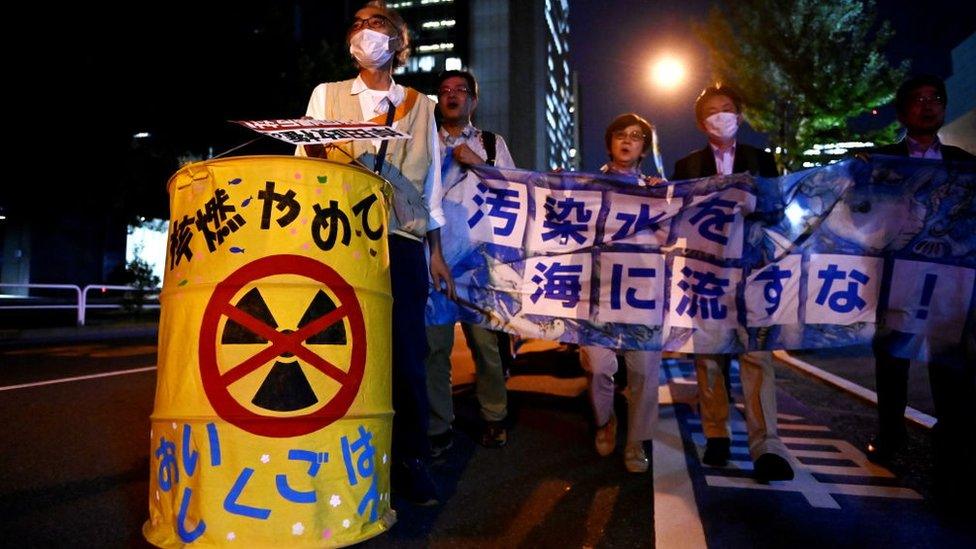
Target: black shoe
(412, 481)
(494, 435)
(881, 450)
(717, 452)
(441, 443)
(772, 467)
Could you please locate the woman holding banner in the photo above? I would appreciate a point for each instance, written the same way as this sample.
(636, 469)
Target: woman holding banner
(379, 41)
(628, 139)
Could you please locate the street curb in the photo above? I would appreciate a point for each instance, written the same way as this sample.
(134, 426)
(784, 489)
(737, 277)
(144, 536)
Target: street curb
(911, 414)
(77, 334)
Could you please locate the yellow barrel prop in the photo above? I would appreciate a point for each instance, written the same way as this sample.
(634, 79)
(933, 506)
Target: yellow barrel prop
(273, 412)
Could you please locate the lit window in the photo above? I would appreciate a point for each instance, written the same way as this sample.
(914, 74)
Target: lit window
(442, 24)
(426, 63)
(427, 48)
(453, 64)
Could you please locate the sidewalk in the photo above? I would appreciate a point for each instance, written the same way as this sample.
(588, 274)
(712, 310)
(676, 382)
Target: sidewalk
(856, 364)
(78, 334)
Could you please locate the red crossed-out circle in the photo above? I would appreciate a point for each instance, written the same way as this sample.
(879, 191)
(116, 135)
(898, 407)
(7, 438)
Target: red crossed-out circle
(216, 384)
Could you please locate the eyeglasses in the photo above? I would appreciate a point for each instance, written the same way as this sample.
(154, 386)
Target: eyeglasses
(634, 135)
(374, 22)
(926, 99)
(460, 90)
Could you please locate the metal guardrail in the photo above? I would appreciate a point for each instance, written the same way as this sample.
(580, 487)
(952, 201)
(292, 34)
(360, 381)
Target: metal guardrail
(81, 297)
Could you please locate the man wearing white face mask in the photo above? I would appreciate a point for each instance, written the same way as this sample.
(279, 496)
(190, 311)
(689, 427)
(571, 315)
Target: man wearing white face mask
(379, 41)
(718, 115)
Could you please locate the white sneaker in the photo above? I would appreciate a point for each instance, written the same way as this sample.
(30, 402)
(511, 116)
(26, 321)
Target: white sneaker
(635, 460)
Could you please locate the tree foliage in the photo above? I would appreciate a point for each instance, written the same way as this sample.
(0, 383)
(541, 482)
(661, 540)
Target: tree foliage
(805, 68)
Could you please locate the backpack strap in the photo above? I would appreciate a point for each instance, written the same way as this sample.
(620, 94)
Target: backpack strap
(489, 139)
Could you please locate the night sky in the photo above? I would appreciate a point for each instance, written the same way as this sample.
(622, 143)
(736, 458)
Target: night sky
(181, 69)
(614, 43)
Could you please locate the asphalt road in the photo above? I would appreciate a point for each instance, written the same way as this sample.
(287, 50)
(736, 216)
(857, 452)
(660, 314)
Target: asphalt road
(74, 466)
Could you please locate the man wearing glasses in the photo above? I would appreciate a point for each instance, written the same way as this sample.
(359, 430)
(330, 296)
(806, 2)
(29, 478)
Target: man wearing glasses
(463, 145)
(718, 114)
(379, 42)
(920, 103)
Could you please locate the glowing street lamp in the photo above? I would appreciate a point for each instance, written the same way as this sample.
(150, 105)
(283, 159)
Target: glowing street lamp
(668, 72)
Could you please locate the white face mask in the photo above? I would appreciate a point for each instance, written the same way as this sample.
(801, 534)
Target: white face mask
(370, 48)
(722, 125)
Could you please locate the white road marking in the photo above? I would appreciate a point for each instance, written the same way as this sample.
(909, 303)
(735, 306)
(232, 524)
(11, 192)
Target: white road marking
(782, 426)
(819, 497)
(76, 378)
(819, 494)
(676, 519)
(911, 414)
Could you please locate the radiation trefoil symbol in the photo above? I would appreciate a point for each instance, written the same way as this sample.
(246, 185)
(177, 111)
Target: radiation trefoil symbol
(292, 403)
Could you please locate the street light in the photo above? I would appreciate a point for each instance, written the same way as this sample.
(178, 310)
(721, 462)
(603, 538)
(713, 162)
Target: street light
(668, 72)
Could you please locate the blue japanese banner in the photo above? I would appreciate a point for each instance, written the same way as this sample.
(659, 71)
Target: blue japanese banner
(825, 257)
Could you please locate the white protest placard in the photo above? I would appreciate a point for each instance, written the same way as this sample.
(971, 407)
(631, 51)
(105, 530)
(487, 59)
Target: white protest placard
(309, 131)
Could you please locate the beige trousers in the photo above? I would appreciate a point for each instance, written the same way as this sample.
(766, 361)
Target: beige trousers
(759, 391)
(643, 368)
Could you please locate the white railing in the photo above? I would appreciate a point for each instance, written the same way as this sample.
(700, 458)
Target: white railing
(81, 297)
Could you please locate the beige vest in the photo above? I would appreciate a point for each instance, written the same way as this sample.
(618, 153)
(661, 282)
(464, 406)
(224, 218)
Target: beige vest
(407, 160)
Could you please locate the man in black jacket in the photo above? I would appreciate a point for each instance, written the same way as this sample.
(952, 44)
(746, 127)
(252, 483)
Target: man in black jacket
(920, 103)
(718, 114)
(722, 150)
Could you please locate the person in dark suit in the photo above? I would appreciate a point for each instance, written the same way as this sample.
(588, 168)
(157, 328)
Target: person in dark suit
(718, 114)
(722, 146)
(920, 103)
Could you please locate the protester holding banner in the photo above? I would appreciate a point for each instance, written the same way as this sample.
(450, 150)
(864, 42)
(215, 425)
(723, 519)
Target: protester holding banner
(628, 140)
(718, 114)
(920, 103)
(379, 42)
(463, 145)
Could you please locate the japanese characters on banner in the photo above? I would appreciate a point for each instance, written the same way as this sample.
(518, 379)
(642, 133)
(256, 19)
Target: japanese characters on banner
(820, 258)
(272, 418)
(308, 131)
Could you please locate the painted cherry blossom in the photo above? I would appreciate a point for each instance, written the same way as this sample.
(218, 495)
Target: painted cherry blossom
(346, 523)
(231, 536)
(265, 458)
(297, 529)
(335, 500)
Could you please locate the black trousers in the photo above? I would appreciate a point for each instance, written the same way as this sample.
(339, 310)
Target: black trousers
(953, 381)
(408, 278)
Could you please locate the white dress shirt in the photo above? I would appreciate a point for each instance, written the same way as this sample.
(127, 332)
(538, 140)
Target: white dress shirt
(724, 159)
